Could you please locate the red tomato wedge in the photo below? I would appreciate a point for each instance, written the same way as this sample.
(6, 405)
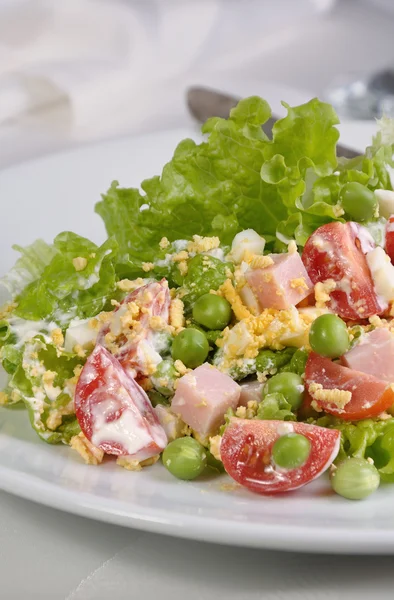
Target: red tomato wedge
(369, 396)
(337, 251)
(114, 412)
(246, 450)
(129, 334)
(390, 238)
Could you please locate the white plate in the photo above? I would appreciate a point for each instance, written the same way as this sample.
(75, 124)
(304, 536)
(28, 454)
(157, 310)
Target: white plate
(43, 197)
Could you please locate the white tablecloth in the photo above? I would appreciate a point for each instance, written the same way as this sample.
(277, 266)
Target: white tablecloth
(45, 554)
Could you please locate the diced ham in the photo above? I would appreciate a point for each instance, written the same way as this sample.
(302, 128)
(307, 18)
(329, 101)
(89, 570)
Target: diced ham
(203, 396)
(343, 392)
(374, 355)
(250, 391)
(282, 284)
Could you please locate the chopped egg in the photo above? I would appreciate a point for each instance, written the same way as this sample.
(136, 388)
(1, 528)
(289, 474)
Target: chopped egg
(246, 241)
(239, 339)
(80, 263)
(386, 202)
(131, 464)
(90, 453)
(334, 396)
(177, 317)
(79, 333)
(322, 292)
(203, 244)
(147, 266)
(249, 299)
(229, 292)
(214, 446)
(171, 423)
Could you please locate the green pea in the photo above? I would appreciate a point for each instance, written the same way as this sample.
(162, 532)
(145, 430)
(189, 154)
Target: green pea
(355, 479)
(212, 311)
(328, 336)
(211, 334)
(191, 347)
(358, 201)
(288, 384)
(185, 458)
(291, 451)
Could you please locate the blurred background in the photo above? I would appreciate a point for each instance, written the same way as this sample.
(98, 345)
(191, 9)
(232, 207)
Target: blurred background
(80, 70)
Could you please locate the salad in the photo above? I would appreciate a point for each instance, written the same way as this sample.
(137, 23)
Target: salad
(239, 317)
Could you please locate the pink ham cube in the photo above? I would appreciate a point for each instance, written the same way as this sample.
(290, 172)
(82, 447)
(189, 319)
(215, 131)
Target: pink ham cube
(282, 284)
(250, 391)
(373, 355)
(203, 396)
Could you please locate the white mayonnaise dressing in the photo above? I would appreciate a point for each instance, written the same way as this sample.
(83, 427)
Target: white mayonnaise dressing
(382, 272)
(216, 253)
(26, 330)
(285, 428)
(364, 237)
(128, 430)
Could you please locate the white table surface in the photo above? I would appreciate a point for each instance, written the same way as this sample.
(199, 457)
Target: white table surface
(46, 554)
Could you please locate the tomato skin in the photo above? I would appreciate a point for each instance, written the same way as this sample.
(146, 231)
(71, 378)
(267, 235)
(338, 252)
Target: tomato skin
(105, 393)
(246, 449)
(137, 354)
(337, 251)
(370, 396)
(389, 247)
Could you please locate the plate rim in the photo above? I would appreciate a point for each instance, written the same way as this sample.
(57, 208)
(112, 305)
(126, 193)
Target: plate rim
(292, 538)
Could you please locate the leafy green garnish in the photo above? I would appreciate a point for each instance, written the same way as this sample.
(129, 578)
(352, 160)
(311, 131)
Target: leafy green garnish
(40, 379)
(275, 407)
(238, 179)
(204, 273)
(366, 439)
(29, 266)
(298, 362)
(164, 378)
(64, 290)
(270, 361)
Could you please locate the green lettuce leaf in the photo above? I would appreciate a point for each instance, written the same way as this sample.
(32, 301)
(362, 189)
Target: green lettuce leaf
(63, 292)
(366, 439)
(297, 363)
(28, 267)
(203, 274)
(235, 180)
(49, 401)
(275, 407)
(270, 361)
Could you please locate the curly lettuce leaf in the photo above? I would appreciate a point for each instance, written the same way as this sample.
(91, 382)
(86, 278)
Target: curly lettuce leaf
(28, 267)
(271, 361)
(67, 289)
(284, 188)
(275, 407)
(235, 180)
(366, 439)
(203, 274)
(43, 378)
